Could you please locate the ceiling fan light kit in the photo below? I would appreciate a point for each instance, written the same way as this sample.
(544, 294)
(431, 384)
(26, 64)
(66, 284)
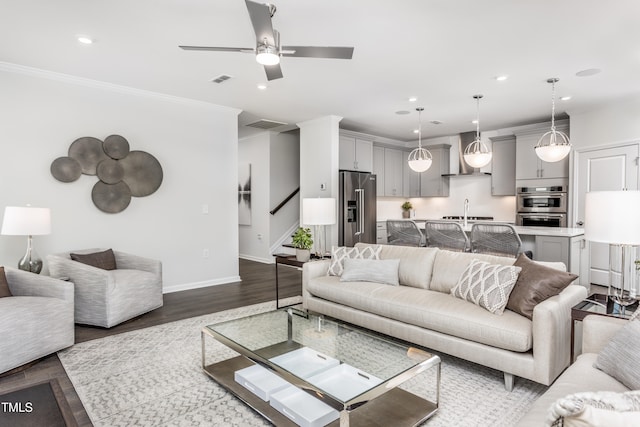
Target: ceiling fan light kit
(420, 159)
(477, 154)
(268, 49)
(554, 145)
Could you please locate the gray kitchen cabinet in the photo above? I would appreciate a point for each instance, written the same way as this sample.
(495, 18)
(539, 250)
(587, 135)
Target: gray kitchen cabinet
(569, 250)
(378, 169)
(381, 232)
(393, 172)
(503, 165)
(528, 165)
(410, 178)
(432, 183)
(355, 154)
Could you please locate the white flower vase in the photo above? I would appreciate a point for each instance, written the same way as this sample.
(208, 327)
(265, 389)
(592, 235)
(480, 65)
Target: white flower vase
(303, 255)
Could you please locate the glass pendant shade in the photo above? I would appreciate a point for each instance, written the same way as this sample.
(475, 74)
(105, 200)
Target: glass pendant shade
(554, 145)
(477, 154)
(420, 159)
(267, 55)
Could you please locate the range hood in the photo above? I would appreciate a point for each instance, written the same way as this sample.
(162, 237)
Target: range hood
(464, 139)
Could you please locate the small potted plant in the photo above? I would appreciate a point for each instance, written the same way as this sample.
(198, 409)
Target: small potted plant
(406, 207)
(303, 242)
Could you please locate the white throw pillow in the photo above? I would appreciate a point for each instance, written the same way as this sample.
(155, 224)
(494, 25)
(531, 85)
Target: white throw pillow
(602, 408)
(487, 285)
(371, 270)
(340, 253)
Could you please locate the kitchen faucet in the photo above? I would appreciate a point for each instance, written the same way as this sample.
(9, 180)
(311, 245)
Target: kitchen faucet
(466, 212)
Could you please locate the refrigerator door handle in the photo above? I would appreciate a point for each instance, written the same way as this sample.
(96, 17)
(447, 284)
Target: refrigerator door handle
(361, 211)
(359, 206)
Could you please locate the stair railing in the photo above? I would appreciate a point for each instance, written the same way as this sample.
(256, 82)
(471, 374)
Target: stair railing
(284, 202)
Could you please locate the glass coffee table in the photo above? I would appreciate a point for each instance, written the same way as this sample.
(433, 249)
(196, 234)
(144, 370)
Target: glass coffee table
(353, 373)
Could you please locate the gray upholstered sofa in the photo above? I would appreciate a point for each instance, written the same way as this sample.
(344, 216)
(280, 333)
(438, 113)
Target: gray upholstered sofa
(422, 311)
(581, 376)
(109, 297)
(37, 320)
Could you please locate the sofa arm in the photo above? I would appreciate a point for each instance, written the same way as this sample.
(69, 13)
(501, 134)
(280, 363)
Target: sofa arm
(311, 270)
(77, 272)
(552, 332)
(136, 262)
(598, 330)
(24, 283)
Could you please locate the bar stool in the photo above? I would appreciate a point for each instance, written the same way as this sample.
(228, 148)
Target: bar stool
(404, 233)
(446, 235)
(495, 239)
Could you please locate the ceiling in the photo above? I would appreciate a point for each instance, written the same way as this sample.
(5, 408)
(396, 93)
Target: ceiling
(441, 51)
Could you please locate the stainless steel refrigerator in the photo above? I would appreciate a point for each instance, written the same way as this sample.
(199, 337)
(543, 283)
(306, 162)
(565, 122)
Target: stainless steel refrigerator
(357, 208)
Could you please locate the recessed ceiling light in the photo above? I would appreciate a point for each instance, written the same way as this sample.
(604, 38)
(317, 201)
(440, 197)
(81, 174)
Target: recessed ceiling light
(402, 112)
(588, 72)
(84, 39)
(416, 131)
(565, 98)
(502, 78)
(475, 122)
(262, 86)
(413, 99)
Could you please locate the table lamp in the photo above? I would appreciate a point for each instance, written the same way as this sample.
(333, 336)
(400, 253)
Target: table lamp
(612, 217)
(27, 221)
(319, 212)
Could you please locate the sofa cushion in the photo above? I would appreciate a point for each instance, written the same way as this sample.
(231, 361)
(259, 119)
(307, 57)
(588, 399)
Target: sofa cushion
(429, 309)
(339, 253)
(371, 270)
(449, 266)
(535, 284)
(620, 358)
(602, 408)
(416, 264)
(487, 285)
(4, 285)
(105, 260)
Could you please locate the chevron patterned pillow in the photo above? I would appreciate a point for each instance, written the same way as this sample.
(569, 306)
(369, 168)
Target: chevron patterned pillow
(487, 285)
(339, 253)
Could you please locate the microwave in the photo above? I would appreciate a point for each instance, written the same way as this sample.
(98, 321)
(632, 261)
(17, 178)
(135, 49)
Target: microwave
(542, 199)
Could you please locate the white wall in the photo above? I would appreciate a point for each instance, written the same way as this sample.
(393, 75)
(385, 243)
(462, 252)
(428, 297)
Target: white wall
(616, 122)
(196, 144)
(284, 163)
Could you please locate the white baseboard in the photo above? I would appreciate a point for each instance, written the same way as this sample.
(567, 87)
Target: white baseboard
(197, 285)
(257, 259)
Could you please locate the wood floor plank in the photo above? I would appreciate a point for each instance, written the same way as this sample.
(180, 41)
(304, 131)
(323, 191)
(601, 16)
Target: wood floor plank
(257, 286)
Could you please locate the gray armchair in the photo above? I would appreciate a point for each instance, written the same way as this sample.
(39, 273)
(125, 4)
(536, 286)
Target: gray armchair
(109, 297)
(37, 320)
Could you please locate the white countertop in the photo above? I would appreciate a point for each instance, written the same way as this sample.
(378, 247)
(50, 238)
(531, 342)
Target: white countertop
(523, 230)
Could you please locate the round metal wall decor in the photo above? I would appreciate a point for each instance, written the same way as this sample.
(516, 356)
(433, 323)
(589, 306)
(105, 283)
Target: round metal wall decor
(116, 146)
(110, 171)
(122, 173)
(142, 173)
(88, 152)
(66, 169)
(111, 198)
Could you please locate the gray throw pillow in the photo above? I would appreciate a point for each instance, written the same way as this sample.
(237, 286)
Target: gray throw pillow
(486, 285)
(620, 358)
(340, 253)
(105, 260)
(535, 284)
(371, 270)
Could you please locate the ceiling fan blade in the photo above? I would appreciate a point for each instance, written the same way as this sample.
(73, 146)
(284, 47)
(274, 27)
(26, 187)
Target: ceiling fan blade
(273, 72)
(260, 15)
(219, 49)
(318, 52)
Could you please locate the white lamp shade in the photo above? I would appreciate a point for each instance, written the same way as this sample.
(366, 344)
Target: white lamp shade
(612, 217)
(477, 160)
(319, 211)
(26, 221)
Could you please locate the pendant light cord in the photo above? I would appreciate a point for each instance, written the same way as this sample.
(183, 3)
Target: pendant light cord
(477, 117)
(420, 126)
(553, 104)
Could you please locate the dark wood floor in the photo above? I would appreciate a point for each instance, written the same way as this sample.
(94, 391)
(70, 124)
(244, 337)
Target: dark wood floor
(258, 285)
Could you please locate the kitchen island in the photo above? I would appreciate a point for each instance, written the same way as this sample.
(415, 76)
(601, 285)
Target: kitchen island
(562, 244)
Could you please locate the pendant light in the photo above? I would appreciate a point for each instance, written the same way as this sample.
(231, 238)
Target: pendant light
(420, 159)
(477, 154)
(554, 145)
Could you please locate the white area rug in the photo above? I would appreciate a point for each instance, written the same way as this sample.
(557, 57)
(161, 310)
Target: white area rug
(153, 377)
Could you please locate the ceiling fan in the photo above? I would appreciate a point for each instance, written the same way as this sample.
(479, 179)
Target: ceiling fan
(268, 49)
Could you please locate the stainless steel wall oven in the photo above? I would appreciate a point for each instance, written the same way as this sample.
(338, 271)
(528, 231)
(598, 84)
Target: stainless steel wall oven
(542, 206)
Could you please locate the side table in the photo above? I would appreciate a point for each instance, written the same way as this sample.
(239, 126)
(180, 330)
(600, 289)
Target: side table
(291, 261)
(600, 305)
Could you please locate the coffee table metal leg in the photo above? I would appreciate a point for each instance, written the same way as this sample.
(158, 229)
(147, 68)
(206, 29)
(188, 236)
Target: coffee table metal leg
(277, 287)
